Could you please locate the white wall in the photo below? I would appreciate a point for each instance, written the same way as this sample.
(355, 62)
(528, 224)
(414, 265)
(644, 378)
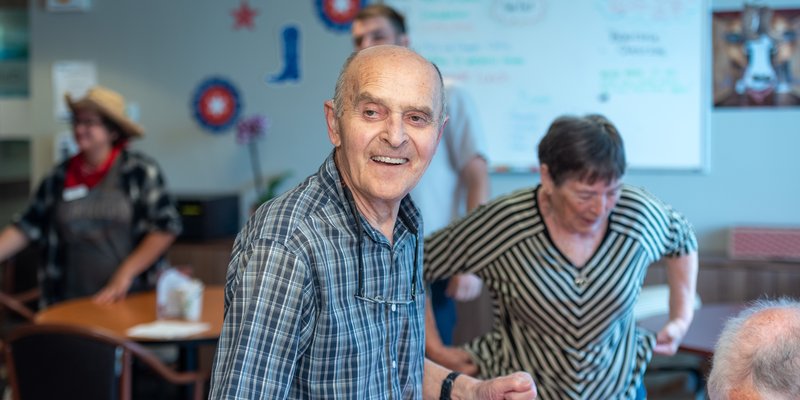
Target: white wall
(156, 52)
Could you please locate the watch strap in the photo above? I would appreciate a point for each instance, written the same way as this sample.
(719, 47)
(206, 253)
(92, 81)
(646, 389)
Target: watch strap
(447, 385)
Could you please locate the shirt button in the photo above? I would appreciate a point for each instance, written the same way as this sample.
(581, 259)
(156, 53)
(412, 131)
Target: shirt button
(394, 307)
(394, 364)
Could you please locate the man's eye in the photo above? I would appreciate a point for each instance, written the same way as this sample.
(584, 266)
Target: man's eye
(372, 114)
(418, 119)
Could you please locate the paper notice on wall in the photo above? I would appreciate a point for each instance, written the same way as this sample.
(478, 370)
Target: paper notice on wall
(73, 77)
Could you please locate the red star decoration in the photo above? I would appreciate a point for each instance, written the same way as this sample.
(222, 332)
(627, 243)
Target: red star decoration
(244, 16)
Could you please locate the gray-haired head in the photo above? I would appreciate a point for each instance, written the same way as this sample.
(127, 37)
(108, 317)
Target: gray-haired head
(758, 354)
(346, 85)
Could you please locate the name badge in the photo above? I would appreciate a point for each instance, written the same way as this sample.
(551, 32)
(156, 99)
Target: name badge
(75, 193)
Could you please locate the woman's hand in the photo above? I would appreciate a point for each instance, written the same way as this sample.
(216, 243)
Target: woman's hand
(669, 337)
(152, 246)
(115, 290)
(454, 358)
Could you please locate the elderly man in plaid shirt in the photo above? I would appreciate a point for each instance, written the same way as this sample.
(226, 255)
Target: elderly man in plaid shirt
(324, 297)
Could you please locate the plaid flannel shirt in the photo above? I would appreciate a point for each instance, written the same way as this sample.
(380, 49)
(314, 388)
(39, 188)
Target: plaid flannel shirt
(294, 327)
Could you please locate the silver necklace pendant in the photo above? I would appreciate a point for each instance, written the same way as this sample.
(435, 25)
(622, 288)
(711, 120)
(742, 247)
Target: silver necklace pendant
(581, 281)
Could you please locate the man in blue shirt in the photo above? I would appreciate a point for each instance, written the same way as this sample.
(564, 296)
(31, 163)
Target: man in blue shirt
(324, 297)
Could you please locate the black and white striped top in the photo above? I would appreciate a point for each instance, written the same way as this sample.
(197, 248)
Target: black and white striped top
(572, 328)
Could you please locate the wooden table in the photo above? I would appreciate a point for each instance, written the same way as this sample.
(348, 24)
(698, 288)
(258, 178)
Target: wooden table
(136, 309)
(705, 329)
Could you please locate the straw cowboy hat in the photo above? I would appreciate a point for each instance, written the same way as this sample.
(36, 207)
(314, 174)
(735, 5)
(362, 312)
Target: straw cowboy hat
(109, 103)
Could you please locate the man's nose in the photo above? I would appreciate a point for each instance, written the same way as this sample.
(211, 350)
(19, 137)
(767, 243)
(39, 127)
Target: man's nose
(395, 131)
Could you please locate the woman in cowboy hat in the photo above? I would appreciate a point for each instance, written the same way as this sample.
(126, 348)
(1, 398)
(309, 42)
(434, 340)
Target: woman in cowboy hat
(103, 216)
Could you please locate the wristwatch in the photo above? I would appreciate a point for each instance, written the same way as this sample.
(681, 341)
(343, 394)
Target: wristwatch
(447, 385)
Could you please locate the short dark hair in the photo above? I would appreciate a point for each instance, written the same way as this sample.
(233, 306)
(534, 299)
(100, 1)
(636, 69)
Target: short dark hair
(380, 10)
(587, 148)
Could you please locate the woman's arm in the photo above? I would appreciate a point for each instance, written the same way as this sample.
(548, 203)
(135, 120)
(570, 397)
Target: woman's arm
(682, 279)
(12, 240)
(152, 246)
(454, 358)
(32, 224)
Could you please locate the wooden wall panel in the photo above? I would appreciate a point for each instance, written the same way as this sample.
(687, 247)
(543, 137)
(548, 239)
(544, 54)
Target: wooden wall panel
(208, 259)
(721, 280)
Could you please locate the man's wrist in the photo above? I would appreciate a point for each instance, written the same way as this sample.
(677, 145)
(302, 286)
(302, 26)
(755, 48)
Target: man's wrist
(464, 388)
(447, 385)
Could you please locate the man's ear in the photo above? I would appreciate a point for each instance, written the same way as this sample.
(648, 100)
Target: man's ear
(333, 124)
(441, 130)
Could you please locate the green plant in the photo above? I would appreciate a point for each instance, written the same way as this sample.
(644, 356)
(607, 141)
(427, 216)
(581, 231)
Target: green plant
(272, 185)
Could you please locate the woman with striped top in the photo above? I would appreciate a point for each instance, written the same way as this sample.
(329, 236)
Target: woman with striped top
(565, 262)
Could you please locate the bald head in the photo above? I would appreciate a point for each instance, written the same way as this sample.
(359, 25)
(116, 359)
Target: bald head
(384, 60)
(758, 354)
(385, 122)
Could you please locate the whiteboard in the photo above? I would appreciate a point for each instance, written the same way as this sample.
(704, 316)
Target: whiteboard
(641, 63)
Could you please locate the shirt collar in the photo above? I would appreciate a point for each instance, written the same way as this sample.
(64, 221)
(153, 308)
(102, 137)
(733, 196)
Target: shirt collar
(409, 219)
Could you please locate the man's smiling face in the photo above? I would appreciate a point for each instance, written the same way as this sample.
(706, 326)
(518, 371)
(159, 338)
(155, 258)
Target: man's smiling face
(389, 124)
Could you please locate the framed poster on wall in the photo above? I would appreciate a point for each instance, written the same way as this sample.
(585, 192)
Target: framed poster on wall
(756, 60)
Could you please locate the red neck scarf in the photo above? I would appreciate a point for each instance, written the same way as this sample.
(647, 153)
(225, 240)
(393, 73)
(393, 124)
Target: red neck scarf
(78, 170)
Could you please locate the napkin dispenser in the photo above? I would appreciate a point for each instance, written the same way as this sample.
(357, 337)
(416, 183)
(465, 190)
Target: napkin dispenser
(178, 296)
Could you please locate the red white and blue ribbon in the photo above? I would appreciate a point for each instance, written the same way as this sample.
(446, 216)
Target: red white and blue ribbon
(216, 104)
(338, 14)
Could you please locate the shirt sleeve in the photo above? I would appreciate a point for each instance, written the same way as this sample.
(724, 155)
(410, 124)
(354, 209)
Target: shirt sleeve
(665, 231)
(472, 243)
(269, 311)
(681, 239)
(463, 134)
(34, 219)
(161, 211)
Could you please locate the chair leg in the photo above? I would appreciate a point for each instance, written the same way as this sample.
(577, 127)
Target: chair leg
(16, 306)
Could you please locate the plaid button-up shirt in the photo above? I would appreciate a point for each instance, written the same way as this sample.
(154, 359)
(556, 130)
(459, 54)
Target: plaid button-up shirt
(296, 325)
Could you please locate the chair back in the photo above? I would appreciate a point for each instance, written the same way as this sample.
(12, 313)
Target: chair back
(65, 362)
